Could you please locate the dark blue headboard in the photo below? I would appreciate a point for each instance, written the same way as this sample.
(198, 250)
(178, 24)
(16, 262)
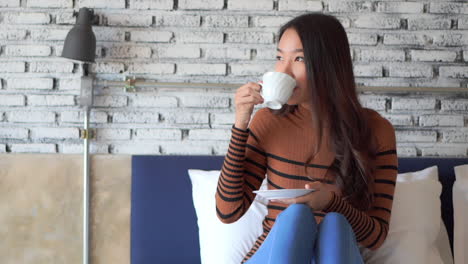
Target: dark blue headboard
(163, 220)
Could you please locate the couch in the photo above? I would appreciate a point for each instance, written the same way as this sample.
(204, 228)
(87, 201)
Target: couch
(163, 220)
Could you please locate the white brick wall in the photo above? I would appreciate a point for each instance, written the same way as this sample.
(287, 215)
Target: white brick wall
(183, 20)
(200, 37)
(12, 34)
(50, 4)
(456, 136)
(51, 100)
(400, 120)
(136, 117)
(13, 133)
(129, 20)
(433, 55)
(10, 3)
(205, 101)
(250, 37)
(141, 100)
(151, 36)
(455, 105)
(428, 22)
(71, 148)
(442, 120)
(416, 39)
(393, 43)
(209, 134)
(152, 4)
(377, 21)
(30, 83)
(188, 148)
(27, 50)
(368, 70)
(178, 51)
(416, 136)
(410, 70)
(227, 53)
(13, 66)
(413, 104)
(30, 117)
(201, 69)
(78, 117)
(451, 8)
(12, 100)
(158, 134)
(27, 18)
(128, 51)
(113, 134)
(111, 4)
(400, 7)
(201, 4)
(300, 5)
(444, 151)
(35, 147)
(48, 34)
(54, 133)
(50, 67)
(382, 55)
(250, 5)
(152, 68)
(227, 21)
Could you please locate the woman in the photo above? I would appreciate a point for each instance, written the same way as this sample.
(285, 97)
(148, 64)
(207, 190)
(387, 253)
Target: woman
(322, 139)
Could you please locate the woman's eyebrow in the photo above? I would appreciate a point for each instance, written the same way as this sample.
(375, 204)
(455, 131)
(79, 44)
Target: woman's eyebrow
(295, 50)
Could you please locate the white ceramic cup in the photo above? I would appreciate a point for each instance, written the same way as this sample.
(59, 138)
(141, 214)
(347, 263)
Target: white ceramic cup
(277, 87)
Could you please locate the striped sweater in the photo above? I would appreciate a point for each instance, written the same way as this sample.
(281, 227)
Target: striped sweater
(276, 147)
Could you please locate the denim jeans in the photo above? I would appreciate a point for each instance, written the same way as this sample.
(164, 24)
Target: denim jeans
(297, 239)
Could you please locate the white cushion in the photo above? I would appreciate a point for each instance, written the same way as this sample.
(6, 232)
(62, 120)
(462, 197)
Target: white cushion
(218, 241)
(415, 223)
(416, 231)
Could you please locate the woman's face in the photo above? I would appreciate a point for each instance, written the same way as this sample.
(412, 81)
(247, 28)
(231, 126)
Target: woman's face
(290, 60)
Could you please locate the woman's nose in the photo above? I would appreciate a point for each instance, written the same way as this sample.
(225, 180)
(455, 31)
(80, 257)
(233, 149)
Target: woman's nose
(284, 67)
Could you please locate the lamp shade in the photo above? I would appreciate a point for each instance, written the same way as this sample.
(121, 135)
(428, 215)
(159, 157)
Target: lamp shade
(80, 43)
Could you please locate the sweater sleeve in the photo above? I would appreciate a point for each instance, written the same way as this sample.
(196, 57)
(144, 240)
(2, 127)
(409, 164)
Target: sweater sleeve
(371, 227)
(243, 171)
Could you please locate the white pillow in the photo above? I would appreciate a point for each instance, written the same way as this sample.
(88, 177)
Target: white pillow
(219, 241)
(460, 214)
(415, 226)
(415, 222)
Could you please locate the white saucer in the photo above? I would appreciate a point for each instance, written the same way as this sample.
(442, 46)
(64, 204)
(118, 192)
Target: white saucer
(282, 193)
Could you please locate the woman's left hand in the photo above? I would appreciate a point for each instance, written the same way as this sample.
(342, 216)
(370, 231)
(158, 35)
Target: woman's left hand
(316, 200)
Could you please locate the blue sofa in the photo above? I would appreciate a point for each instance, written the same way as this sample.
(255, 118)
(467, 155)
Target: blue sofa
(163, 221)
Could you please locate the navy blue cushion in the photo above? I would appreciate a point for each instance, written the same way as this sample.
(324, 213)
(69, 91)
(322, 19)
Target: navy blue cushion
(163, 220)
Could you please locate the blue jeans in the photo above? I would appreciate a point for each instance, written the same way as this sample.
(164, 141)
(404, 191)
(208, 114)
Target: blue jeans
(297, 239)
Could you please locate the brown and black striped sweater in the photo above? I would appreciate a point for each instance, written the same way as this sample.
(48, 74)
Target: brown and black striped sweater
(278, 147)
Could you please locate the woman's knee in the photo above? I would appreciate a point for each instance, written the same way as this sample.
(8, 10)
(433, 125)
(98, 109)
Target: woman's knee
(337, 220)
(335, 217)
(296, 212)
(297, 209)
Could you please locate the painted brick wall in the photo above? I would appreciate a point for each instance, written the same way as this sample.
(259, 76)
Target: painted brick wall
(393, 43)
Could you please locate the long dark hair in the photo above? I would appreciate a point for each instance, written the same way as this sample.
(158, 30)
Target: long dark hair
(336, 108)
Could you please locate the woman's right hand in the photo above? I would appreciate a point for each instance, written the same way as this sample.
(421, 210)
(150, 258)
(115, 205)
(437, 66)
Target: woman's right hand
(246, 97)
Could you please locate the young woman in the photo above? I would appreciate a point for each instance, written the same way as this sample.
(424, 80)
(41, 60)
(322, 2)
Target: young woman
(322, 139)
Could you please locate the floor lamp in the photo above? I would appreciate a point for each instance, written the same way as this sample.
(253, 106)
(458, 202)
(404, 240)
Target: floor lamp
(80, 46)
